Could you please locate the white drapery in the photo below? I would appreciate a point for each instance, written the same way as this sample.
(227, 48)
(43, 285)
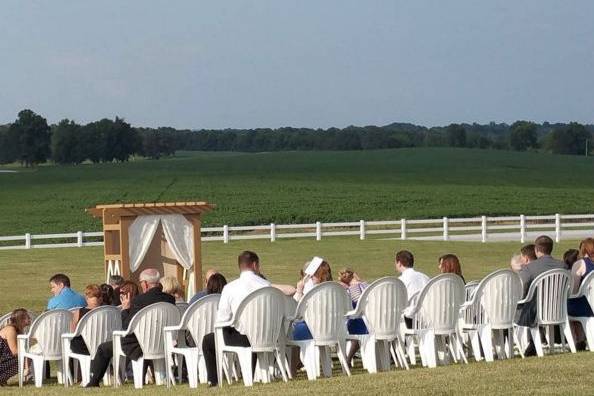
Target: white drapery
(178, 231)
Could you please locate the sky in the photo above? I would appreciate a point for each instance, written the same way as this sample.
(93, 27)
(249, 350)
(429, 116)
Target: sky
(302, 63)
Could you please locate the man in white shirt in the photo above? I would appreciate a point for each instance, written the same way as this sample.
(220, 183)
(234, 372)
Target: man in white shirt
(413, 280)
(233, 293)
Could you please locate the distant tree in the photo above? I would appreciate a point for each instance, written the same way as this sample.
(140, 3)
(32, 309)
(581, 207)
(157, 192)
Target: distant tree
(67, 143)
(569, 139)
(157, 143)
(456, 134)
(29, 135)
(8, 151)
(107, 140)
(523, 135)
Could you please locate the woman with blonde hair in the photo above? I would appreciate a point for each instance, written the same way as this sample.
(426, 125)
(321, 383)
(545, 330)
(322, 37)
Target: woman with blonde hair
(19, 320)
(171, 286)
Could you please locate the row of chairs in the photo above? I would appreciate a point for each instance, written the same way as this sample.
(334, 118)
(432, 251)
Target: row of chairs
(445, 315)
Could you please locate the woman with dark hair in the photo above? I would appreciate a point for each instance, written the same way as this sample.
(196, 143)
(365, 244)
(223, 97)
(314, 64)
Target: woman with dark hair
(128, 291)
(17, 323)
(215, 284)
(570, 257)
(107, 294)
(449, 263)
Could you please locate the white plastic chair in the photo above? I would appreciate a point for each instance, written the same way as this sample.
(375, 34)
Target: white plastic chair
(96, 327)
(587, 322)
(435, 314)
(492, 308)
(381, 305)
(260, 317)
(147, 325)
(551, 290)
(47, 329)
(323, 308)
(469, 320)
(199, 320)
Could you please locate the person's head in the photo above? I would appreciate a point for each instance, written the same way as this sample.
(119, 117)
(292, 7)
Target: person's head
(116, 281)
(517, 262)
(215, 284)
(346, 276)
(449, 264)
(130, 289)
(570, 257)
(248, 261)
(404, 259)
(93, 295)
(322, 274)
(148, 279)
(209, 272)
(171, 286)
(107, 294)
(58, 282)
(19, 319)
(587, 248)
(527, 253)
(543, 246)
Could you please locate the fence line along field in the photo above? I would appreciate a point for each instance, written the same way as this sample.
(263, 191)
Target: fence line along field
(302, 187)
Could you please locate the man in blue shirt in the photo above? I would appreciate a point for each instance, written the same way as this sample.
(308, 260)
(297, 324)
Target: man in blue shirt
(64, 297)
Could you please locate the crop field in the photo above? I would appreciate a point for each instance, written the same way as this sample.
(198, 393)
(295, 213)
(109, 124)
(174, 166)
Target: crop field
(293, 187)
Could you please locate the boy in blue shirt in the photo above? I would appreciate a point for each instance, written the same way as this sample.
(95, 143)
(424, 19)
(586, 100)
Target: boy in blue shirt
(64, 297)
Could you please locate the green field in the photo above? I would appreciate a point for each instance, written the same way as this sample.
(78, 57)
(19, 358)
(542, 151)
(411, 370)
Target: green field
(293, 187)
(24, 283)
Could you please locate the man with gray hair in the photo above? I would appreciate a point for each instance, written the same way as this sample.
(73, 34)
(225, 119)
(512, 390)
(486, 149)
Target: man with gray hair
(151, 293)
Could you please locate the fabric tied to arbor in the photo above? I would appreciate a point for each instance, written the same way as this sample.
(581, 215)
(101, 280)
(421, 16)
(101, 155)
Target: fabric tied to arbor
(178, 232)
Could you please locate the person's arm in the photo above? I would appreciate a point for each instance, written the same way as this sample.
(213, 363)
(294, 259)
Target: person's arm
(577, 272)
(11, 339)
(75, 319)
(526, 278)
(287, 290)
(298, 295)
(224, 312)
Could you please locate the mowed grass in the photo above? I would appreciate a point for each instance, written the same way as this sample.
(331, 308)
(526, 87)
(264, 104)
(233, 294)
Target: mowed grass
(293, 187)
(24, 283)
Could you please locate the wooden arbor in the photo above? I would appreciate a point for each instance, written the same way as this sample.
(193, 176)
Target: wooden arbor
(117, 219)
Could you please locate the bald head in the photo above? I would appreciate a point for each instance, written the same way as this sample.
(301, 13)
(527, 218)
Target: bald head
(149, 278)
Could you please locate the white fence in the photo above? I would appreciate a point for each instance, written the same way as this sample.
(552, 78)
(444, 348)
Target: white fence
(508, 228)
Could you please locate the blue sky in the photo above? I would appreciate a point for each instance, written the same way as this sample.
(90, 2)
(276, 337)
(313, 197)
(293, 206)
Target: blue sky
(249, 64)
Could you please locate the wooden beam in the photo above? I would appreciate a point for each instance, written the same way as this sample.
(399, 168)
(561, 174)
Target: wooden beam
(124, 246)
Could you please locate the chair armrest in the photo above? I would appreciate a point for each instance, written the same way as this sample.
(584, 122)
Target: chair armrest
(22, 337)
(120, 333)
(68, 335)
(220, 325)
(173, 328)
(352, 314)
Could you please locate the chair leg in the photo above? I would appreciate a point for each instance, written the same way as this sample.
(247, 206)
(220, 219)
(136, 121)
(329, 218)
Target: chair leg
(485, 335)
(192, 366)
(410, 346)
(567, 332)
(427, 341)
(202, 370)
(138, 371)
(308, 357)
(475, 344)
(368, 356)
(518, 332)
(159, 371)
(38, 369)
(281, 360)
(535, 334)
(400, 352)
(458, 340)
(588, 326)
(85, 371)
(325, 361)
(245, 361)
(340, 351)
(21, 362)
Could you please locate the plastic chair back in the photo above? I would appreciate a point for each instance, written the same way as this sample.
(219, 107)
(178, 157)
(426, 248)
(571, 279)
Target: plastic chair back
(290, 306)
(182, 306)
(148, 325)
(381, 305)
(498, 294)
(48, 328)
(260, 316)
(587, 288)
(200, 317)
(323, 308)
(440, 302)
(97, 326)
(552, 290)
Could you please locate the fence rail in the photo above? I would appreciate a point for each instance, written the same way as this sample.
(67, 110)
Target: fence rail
(482, 228)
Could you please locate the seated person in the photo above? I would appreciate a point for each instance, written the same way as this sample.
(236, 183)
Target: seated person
(579, 306)
(151, 293)
(107, 294)
(171, 286)
(449, 264)
(570, 257)
(528, 253)
(233, 293)
(413, 280)
(354, 286)
(19, 320)
(215, 284)
(116, 282)
(94, 299)
(210, 272)
(516, 263)
(64, 297)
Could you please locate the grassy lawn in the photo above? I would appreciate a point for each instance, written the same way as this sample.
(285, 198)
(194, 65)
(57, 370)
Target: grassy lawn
(292, 187)
(24, 283)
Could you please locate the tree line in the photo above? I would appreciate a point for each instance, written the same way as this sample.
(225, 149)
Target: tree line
(31, 140)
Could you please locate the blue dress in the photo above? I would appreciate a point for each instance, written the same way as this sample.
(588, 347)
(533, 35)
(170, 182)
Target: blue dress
(579, 307)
